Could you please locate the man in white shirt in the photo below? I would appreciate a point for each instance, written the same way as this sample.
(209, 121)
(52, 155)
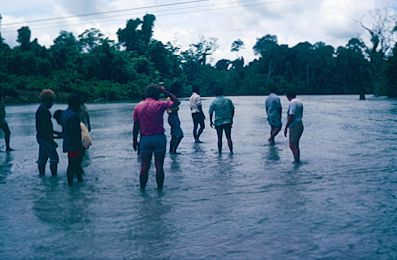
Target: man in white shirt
(294, 124)
(197, 113)
(273, 111)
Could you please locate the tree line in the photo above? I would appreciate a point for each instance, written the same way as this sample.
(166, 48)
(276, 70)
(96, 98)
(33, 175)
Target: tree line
(103, 69)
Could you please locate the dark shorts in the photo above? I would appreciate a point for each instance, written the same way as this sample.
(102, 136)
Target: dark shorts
(153, 144)
(224, 127)
(198, 118)
(295, 133)
(176, 131)
(47, 150)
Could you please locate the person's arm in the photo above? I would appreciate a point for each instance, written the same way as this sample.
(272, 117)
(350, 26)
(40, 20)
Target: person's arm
(211, 122)
(88, 122)
(289, 121)
(135, 133)
(174, 99)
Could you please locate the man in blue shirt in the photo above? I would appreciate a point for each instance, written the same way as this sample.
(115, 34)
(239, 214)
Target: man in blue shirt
(224, 112)
(72, 138)
(273, 111)
(3, 123)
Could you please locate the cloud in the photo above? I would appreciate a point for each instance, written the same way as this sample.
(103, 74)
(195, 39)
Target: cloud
(331, 21)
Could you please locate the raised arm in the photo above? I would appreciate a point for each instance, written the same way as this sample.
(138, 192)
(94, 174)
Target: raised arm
(174, 99)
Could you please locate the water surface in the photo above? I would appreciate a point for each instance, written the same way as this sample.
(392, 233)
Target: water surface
(339, 203)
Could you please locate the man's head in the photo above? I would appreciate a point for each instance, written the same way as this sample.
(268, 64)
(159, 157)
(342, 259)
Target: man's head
(74, 102)
(152, 91)
(58, 116)
(219, 91)
(47, 96)
(196, 89)
(291, 94)
(272, 88)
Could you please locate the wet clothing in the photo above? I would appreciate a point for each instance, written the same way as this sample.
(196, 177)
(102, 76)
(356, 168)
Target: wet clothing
(224, 110)
(296, 109)
(71, 131)
(273, 110)
(198, 118)
(224, 127)
(150, 114)
(44, 127)
(175, 124)
(149, 144)
(295, 133)
(45, 136)
(195, 103)
(47, 150)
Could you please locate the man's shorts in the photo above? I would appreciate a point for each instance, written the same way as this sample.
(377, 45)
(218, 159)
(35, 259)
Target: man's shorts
(153, 144)
(224, 127)
(47, 150)
(275, 123)
(198, 118)
(176, 131)
(295, 133)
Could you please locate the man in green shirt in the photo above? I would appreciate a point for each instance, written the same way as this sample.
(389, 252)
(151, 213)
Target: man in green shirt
(3, 123)
(224, 113)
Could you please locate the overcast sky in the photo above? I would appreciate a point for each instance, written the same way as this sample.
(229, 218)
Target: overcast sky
(182, 22)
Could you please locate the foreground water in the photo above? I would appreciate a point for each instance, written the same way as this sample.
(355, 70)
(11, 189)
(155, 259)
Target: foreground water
(339, 203)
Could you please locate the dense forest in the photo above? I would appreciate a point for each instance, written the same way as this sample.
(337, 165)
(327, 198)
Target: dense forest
(103, 69)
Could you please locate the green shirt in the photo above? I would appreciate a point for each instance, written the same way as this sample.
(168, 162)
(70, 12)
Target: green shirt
(224, 110)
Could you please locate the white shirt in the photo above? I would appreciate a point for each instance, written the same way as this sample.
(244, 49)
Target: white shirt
(295, 108)
(195, 103)
(273, 107)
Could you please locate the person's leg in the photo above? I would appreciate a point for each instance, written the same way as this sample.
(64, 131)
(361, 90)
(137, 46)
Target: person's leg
(295, 134)
(219, 132)
(69, 171)
(159, 155)
(177, 142)
(228, 133)
(159, 165)
(7, 134)
(172, 144)
(195, 126)
(43, 157)
(146, 159)
(200, 131)
(54, 159)
(79, 168)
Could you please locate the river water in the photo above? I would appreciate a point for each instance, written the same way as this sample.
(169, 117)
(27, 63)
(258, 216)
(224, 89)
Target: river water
(340, 202)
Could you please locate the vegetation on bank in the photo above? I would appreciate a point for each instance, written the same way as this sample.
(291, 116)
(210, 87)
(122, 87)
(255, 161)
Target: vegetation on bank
(103, 69)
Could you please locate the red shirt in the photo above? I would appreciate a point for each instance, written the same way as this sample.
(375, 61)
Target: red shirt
(150, 113)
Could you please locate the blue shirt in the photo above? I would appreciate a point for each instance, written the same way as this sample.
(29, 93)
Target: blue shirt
(71, 131)
(224, 110)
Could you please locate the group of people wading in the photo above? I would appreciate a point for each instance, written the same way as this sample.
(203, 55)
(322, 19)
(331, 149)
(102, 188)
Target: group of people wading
(149, 127)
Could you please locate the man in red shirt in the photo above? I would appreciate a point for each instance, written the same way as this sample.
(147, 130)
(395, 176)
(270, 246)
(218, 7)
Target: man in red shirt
(149, 122)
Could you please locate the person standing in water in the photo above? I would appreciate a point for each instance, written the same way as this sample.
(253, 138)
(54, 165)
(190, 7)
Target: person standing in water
(273, 111)
(72, 138)
(176, 130)
(197, 113)
(294, 124)
(149, 123)
(224, 112)
(3, 123)
(45, 134)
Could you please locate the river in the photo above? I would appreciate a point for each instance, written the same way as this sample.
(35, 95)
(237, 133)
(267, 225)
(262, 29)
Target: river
(339, 203)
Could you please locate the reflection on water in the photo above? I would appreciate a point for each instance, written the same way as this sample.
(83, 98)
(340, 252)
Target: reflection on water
(339, 203)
